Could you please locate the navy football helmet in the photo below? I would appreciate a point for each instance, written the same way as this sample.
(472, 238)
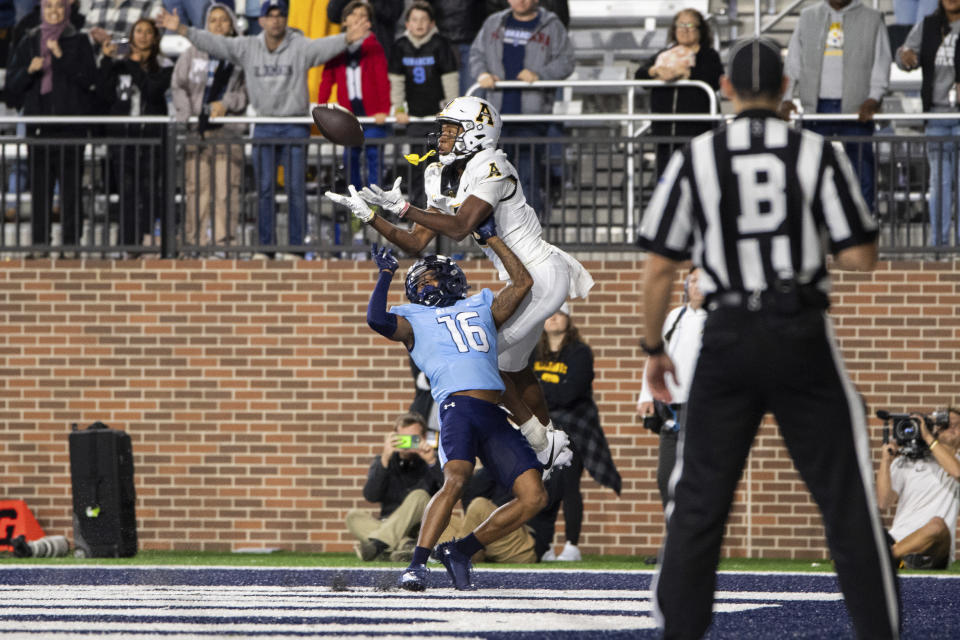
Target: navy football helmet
(451, 282)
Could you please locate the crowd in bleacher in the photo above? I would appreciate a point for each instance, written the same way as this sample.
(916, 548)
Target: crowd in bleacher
(394, 62)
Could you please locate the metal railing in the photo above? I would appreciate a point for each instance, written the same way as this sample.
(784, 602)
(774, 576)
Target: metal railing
(593, 189)
(629, 87)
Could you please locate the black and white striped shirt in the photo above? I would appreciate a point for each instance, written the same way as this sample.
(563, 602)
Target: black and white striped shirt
(754, 202)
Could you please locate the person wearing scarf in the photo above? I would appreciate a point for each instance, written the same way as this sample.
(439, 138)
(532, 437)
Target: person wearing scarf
(204, 87)
(54, 73)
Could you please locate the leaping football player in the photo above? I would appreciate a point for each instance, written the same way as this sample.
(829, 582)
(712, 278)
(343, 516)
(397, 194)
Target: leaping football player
(453, 339)
(472, 181)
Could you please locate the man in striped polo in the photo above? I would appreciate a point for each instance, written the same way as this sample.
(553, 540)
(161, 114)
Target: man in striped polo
(755, 204)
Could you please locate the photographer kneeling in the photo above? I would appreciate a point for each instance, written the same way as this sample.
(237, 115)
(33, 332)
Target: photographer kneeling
(920, 473)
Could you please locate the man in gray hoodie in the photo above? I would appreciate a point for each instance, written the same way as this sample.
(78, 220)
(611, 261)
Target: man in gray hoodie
(275, 63)
(525, 42)
(838, 61)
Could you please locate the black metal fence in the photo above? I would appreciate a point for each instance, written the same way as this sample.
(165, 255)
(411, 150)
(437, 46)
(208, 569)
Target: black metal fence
(161, 190)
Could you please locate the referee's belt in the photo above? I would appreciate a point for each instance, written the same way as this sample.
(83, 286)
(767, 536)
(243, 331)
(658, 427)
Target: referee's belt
(784, 297)
(668, 411)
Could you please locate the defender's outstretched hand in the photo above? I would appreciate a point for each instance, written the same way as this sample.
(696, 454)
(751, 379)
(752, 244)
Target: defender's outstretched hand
(486, 230)
(392, 200)
(354, 202)
(384, 258)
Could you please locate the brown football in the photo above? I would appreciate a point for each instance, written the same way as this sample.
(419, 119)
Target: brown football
(338, 125)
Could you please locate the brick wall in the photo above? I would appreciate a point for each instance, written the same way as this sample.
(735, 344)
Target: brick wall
(256, 396)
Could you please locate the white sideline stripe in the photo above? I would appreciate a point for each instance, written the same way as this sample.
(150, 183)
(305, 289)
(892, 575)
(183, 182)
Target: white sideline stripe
(362, 598)
(779, 596)
(124, 634)
(396, 570)
(451, 622)
(319, 569)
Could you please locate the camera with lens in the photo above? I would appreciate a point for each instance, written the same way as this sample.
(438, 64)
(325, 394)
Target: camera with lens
(906, 430)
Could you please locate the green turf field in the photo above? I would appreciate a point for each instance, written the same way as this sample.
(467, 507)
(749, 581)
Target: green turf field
(291, 559)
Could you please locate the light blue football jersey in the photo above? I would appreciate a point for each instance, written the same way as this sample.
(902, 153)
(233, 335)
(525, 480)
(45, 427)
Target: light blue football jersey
(455, 346)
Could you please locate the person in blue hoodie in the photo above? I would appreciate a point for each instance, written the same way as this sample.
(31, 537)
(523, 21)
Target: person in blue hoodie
(275, 63)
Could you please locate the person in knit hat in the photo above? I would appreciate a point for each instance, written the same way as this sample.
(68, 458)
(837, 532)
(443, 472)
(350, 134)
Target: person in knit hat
(205, 87)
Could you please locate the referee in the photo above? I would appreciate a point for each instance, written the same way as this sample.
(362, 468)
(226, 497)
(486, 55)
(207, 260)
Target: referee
(754, 205)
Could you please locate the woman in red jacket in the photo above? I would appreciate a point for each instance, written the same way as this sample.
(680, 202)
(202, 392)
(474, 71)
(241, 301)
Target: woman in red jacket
(363, 87)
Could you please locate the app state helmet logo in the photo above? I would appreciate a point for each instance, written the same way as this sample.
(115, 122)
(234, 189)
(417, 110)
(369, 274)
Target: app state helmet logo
(484, 116)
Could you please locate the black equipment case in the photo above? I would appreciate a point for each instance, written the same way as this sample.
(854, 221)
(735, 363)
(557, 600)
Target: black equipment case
(104, 500)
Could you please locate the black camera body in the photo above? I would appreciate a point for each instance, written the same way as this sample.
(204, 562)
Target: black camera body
(906, 430)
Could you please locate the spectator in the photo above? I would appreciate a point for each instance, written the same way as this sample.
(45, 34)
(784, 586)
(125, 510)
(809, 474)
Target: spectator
(931, 45)
(564, 366)
(385, 16)
(402, 479)
(559, 7)
(110, 20)
(8, 20)
(910, 12)
(275, 64)
(925, 486)
(423, 78)
(689, 56)
(525, 43)
(33, 19)
(459, 21)
(839, 61)
(136, 84)
(207, 88)
(193, 12)
(54, 73)
(683, 329)
(366, 93)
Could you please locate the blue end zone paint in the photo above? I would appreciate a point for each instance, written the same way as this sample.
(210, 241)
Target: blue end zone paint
(930, 603)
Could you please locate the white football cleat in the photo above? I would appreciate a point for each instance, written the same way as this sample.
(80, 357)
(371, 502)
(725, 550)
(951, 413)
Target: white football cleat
(557, 453)
(548, 555)
(570, 553)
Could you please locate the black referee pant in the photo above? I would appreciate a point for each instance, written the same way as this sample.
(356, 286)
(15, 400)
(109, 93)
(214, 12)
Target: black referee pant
(753, 362)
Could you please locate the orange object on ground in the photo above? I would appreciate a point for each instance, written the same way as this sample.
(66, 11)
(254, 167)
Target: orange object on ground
(16, 519)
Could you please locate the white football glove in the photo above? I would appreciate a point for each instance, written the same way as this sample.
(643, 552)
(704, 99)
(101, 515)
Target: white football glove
(393, 200)
(354, 202)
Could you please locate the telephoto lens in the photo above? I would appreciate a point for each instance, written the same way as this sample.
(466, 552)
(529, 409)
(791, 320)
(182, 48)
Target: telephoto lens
(46, 547)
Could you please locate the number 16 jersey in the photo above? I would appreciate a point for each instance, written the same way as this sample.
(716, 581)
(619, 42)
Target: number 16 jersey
(455, 346)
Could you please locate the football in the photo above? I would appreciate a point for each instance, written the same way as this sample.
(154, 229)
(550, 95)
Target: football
(338, 125)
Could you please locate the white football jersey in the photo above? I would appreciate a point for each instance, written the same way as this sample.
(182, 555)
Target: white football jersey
(491, 177)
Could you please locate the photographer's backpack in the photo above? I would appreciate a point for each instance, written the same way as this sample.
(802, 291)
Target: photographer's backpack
(104, 500)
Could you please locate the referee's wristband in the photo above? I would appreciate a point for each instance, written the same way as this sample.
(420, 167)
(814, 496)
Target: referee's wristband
(652, 351)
